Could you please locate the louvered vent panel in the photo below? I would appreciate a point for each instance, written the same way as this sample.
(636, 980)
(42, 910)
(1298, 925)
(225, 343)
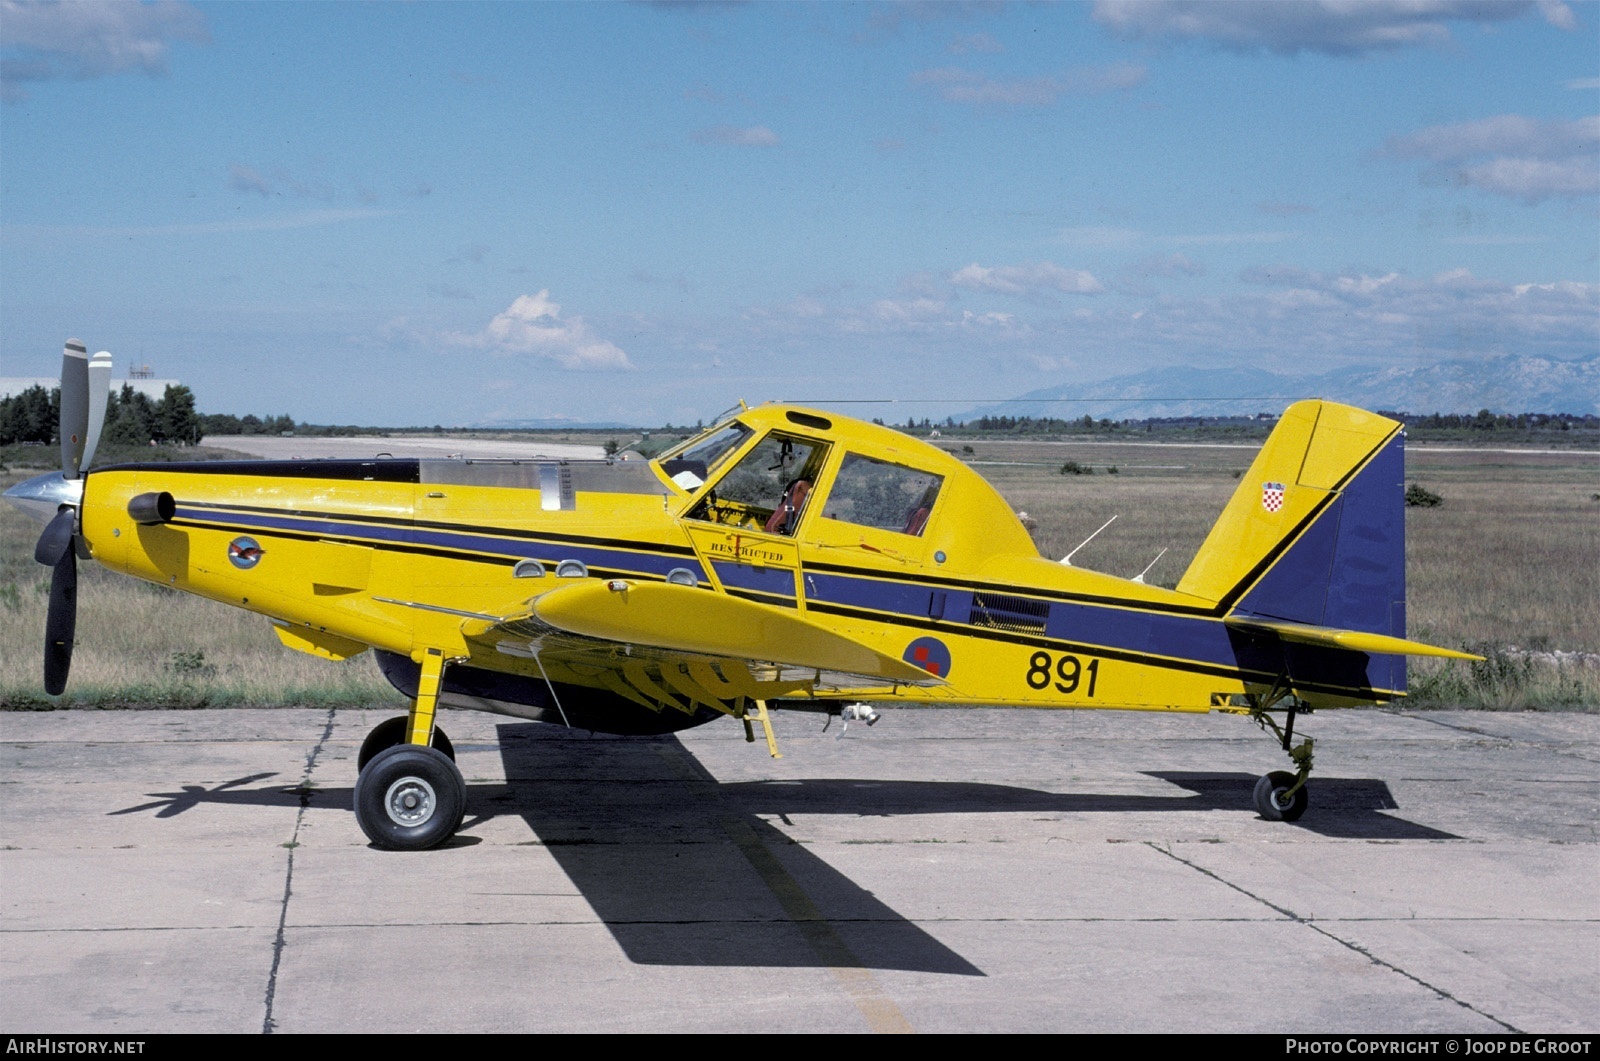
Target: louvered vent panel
(1017, 614)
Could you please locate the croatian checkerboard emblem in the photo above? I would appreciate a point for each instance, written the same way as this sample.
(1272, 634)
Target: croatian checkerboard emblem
(930, 654)
(244, 553)
(1272, 496)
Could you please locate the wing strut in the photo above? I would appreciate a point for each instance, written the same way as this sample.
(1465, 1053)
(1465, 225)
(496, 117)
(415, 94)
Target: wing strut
(534, 648)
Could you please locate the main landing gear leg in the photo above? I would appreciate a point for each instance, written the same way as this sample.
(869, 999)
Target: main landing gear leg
(410, 795)
(1281, 796)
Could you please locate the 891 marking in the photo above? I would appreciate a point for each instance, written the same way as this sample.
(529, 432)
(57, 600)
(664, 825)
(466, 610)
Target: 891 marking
(1068, 671)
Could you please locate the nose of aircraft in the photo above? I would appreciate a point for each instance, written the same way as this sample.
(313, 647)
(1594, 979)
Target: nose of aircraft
(41, 497)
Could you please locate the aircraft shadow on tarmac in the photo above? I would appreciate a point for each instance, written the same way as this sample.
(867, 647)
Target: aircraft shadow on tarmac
(674, 861)
(686, 870)
(683, 871)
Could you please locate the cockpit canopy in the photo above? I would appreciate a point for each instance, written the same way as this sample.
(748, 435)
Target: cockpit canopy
(796, 473)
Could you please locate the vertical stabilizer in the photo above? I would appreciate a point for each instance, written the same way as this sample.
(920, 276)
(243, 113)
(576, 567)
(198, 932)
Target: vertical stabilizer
(1315, 533)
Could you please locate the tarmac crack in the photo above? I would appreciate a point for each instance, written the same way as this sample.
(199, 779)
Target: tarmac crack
(1346, 943)
(303, 789)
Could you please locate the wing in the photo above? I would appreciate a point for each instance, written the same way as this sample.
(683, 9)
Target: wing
(660, 644)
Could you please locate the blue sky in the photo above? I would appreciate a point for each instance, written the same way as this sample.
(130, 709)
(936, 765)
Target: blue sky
(456, 213)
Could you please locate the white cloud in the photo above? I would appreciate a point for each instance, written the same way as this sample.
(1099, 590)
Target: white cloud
(907, 310)
(1029, 279)
(1454, 304)
(1331, 27)
(1513, 155)
(1504, 134)
(533, 325)
(754, 136)
(1535, 179)
(1367, 285)
(970, 319)
(90, 38)
(958, 85)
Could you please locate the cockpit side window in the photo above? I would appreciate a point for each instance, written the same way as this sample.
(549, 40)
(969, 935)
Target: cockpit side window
(875, 493)
(769, 486)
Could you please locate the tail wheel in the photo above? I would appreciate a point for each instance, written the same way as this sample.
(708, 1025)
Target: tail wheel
(1273, 800)
(392, 732)
(410, 798)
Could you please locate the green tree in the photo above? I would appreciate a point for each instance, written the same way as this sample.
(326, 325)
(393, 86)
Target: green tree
(135, 420)
(176, 418)
(29, 416)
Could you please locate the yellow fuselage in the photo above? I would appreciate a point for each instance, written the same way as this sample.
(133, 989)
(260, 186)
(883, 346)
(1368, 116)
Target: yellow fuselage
(405, 556)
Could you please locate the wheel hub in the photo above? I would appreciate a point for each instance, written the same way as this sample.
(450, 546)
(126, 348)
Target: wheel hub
(410, 801)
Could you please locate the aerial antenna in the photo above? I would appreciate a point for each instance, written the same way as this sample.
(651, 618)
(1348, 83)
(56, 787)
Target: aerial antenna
(1068, 558)
(1140, 576)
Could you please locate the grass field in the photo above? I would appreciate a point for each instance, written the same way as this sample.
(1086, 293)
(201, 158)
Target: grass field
(1508, 564)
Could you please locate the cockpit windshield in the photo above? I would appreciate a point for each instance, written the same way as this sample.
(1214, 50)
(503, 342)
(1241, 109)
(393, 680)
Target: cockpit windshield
(714, 446)
(690, 463)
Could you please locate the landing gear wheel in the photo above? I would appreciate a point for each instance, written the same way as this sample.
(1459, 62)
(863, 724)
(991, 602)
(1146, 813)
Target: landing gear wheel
(1270, 801)
(410, 798)
(388, 734)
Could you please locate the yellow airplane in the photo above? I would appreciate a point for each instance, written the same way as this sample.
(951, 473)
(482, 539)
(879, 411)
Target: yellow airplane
(783, 557)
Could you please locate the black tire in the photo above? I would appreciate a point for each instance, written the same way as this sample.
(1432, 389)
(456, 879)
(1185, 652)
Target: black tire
(410, 798)
(1270, 803)
(388, 734)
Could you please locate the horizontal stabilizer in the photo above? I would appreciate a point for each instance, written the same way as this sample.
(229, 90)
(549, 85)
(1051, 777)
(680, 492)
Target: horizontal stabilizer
(1355, 640)
(683, 619)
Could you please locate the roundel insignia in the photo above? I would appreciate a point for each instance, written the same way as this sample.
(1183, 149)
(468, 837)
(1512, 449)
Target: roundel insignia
(244, 553)
(930, 654)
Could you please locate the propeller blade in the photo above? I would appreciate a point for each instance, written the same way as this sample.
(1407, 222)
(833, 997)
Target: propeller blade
(61, 623)
(56, 539)
(74, 424)
(99, 393)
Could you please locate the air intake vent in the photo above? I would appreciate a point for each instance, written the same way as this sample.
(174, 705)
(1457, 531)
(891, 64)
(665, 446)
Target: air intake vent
(1017, 614)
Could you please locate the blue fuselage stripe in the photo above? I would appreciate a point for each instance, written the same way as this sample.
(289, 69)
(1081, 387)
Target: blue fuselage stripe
(1128, 629)
(512, 549)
